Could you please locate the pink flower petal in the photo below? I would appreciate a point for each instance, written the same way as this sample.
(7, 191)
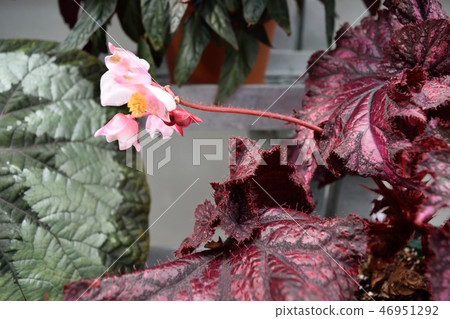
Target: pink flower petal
(123, 128)
(154, 125)
(113, 93)
(122, 59)
(164, 97)
(159, 102)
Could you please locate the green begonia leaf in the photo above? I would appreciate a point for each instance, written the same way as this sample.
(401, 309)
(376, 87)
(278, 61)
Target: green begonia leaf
(253, 9)
(330, 14)
(130, 18)
(94, 14)
(69, 206)
(216, 16)
(194, 38)
(161, 18)
(177, 10)
(232, 5)
(154, 18)
(237, 65)
(279, 11)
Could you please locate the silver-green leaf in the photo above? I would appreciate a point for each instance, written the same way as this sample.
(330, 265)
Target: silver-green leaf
(69, 206)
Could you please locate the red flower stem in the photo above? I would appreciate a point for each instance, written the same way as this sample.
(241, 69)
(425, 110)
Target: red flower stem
(238, 110)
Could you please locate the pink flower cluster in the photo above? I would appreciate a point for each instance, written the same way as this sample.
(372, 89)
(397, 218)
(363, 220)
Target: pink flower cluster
(127, 81)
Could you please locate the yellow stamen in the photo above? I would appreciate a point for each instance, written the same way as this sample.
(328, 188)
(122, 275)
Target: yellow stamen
(137, 104)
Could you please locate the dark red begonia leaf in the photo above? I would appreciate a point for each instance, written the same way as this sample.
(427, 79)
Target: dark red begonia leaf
(372, 5)
(436, 164)
(411, 157)
(393, 217)
(408, 209)
(376, 91)
(292, 256)
(436, 246)
(425, 44)
(435, 93)
(206, 221)
(414, 11)
(359, 51)
(358, 134)
(258, 180)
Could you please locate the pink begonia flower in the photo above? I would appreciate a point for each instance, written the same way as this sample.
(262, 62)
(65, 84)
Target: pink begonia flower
(123, 128)
(128, 81)
(179, 118)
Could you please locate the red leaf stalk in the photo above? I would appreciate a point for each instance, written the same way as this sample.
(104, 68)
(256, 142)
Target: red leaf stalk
(238, 110)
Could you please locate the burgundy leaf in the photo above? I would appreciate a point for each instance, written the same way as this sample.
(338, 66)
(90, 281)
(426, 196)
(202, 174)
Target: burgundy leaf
(414, 11)
(436, 246)
(333, 79)
(258, 180)
(437, 164)
(358, 52)
(372, 5)
(402, 86)
(375, 93)
(411, 156)
(425, 44)
(307, 158)
(357, 133)
(435, 93)
(393, 216)
(206, 220)
(293, 256)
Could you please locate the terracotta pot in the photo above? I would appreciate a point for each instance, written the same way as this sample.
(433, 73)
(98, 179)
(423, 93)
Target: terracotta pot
(208, 69)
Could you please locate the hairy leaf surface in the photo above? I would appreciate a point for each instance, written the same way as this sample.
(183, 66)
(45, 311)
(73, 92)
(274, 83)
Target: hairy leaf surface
(254, 184)
(293, 256)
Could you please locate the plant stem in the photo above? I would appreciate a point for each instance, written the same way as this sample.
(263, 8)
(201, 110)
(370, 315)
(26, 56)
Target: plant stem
(238, 110)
